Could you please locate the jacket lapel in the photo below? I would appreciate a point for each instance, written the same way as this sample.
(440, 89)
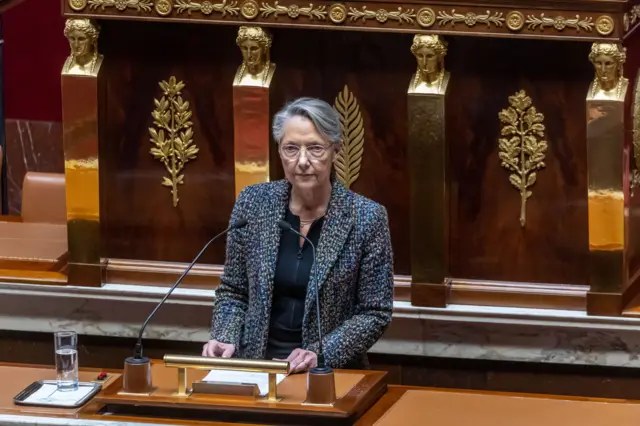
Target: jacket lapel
(335, 231)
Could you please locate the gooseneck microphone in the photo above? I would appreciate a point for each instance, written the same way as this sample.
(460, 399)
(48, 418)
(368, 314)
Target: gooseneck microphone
(138, 349)
(321, 368)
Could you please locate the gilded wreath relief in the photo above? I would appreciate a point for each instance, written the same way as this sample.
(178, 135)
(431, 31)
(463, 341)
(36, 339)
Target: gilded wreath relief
(173, 135)
(522, 147)
(608, 60)
(430, 77)
(257, 68)
(84, 58)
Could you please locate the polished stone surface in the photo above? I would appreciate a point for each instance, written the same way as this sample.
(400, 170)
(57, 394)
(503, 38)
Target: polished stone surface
(32, 146)
(467, 332)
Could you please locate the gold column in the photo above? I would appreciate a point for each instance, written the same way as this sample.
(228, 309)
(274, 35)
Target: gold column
(428, 173)
(80, 96)
(251, 107)
(608, 175)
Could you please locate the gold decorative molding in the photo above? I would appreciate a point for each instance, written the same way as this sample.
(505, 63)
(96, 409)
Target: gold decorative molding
(522, 147)
(426, 17)
(470, 19)
(122, 5)
(605, 25)
(175, 147)
(249, 9)
(337, 13)
(559, 22)
(499, 20)
(207, 7)
(164, 7)
(382, 15)
(630, 19)
(515, 20)
(77, 5)
(349, 158)
(293, 11)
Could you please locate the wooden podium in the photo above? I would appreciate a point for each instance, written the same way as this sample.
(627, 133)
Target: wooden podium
(356, 392)
(493, 189)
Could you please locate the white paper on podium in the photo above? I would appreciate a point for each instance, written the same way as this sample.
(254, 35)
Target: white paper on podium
(243, 377)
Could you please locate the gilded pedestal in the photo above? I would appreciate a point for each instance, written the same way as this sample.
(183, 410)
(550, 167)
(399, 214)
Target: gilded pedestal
(608, 179)
(251, 108)
(428, 173)
(80, 94)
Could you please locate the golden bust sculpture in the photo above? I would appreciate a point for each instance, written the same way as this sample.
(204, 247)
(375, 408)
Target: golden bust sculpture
(83, 42)
(430, 76)
(608, 60)
(256, 68)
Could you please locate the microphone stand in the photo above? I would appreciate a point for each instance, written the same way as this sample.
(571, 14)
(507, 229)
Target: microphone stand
(137, 369)
(321, 386)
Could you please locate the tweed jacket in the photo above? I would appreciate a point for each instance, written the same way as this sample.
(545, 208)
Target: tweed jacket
(354, 276)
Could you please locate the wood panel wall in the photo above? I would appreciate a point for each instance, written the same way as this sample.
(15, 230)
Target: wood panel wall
(487, 242)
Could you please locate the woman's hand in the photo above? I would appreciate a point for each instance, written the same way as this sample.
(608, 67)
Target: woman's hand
(214, 349)
(301, 360)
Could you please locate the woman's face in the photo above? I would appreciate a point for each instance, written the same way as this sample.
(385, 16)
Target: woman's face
(606, 68)
(251, 52)
(306, 157)
(79, 43)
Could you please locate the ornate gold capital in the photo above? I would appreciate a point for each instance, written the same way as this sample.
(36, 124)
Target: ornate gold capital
(256, 68)
(429, 51)
(84, 58)
(608, 62)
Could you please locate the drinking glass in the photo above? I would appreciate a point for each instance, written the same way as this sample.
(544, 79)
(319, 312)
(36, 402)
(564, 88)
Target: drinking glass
(66, 345)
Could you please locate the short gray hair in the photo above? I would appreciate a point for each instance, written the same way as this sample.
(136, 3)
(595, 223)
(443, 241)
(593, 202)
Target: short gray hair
(323, 116)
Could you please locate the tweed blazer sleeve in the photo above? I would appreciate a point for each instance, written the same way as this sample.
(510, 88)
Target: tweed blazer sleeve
(231, 299)
(374, 299)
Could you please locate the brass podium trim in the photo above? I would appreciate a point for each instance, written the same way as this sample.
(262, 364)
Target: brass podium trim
(184, 362)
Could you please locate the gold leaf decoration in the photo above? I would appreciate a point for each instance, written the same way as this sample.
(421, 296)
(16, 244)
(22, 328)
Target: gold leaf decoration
(382, 15)
(522, 147)
(172, 136)
(207, 7)
(122, 5)
(559, 22)
(349, 159)
(293, 11)
(470, 19)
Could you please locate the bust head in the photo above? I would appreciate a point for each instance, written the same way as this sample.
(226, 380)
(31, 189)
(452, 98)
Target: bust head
(608, 60)
(254, 43)
(429, 51)
(83, 39)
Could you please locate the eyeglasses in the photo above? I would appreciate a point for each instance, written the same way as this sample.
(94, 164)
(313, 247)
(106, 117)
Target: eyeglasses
(292, 151)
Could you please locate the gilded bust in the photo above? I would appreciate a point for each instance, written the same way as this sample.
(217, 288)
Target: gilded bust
(430, 77)
(256, 68)
(82, 35)
(608, 60)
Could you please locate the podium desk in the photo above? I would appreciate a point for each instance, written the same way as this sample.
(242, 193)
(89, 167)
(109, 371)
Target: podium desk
(400, 405)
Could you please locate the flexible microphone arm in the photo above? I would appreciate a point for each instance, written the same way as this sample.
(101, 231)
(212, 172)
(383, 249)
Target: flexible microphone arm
(138, 349)
(286, 226)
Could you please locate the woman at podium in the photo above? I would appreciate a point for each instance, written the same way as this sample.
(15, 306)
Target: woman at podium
(265, 305)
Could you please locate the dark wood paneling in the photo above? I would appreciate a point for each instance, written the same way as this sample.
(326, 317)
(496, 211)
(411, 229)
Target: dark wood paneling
(139, 220)
(487, 241)
(377, 69)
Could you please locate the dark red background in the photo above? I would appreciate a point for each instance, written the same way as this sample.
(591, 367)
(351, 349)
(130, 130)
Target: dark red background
(34, 51)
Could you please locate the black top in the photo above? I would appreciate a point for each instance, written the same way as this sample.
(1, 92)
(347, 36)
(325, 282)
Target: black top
(293, 269)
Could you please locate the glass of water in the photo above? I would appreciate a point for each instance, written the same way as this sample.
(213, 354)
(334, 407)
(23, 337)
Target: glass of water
(66, 344)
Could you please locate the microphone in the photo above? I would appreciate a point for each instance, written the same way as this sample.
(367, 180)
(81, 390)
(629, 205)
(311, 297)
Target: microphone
(138, 348)
(321, 368)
